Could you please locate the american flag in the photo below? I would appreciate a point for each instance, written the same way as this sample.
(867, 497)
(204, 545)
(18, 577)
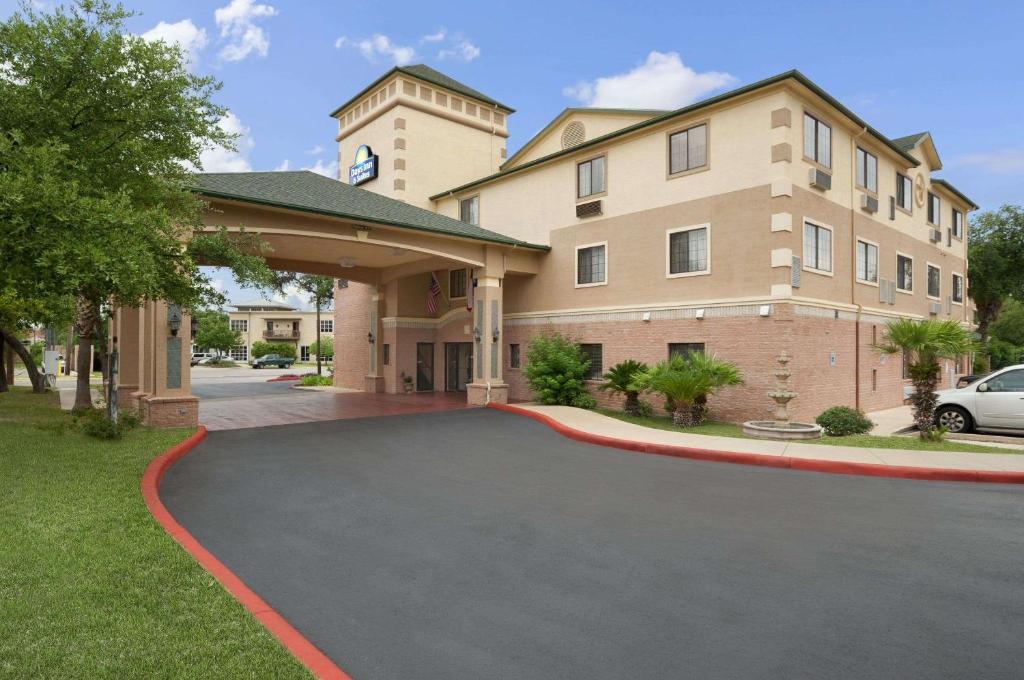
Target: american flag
(432, 293)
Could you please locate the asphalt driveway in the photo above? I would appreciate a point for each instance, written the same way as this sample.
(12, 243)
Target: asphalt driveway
(480, 544)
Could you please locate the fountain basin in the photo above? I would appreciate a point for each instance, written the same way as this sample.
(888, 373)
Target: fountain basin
(770, 429)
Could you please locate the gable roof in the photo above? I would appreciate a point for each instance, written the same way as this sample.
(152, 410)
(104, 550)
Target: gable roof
(746, 89)
(956, 192)
(432, 76)
(567, 112)
(309, 192)
(910, 142)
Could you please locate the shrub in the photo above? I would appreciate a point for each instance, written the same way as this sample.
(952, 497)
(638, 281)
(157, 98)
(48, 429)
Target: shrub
(620, 380)
(94, 423)
(261, 348)
(644, 409)
(584, 400)
(686, 382)
(840, 421)
(556, 369)
(312, 380)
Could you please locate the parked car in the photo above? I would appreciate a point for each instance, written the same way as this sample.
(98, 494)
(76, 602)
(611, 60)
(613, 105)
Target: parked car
(199, 356)
(212, 360)
(966, 380)
(272, 360)
(992, 402)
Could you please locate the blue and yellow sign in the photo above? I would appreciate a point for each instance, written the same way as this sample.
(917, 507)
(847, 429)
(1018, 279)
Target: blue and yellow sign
(364, 168)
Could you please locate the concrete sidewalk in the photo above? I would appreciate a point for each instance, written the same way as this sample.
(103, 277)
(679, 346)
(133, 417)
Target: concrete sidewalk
(595, 423)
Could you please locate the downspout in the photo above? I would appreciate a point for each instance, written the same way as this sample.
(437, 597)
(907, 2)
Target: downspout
(853, 269)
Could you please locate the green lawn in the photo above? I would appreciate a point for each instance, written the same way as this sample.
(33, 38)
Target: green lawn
(864, 441)
(90, 585)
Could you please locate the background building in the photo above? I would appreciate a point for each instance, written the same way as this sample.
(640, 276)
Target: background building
(266, 321)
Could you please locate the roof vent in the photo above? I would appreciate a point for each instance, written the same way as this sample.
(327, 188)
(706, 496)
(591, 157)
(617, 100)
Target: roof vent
(573, 134)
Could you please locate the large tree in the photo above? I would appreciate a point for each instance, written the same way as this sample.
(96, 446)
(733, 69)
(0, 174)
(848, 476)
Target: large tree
(996, 262)
(321, 290)
(213, 331)
(98, 132)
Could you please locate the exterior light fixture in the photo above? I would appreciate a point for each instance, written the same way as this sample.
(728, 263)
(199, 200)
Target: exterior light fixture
(477, 334)
(347, 262)
(646, 317)
(362, 233)
(700, 313)
(495, 333)
(174, 318)
(764, 310)
(370, 338)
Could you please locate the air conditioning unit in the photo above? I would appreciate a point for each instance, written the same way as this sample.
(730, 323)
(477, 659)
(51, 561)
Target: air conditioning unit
(883, 289)
(934, 235)
(588, 209)
(820, 179)
(935, 307)
(868, 203)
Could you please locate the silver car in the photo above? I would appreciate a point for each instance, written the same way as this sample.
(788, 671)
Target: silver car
(995, 402)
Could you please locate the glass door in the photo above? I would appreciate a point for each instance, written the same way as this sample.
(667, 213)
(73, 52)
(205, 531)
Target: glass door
(424, 366)
(458, 365)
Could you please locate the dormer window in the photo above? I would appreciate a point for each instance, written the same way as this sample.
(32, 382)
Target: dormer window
(958, 224)
(590, 177)
(469, 210)
(934, 209)
(904, 192)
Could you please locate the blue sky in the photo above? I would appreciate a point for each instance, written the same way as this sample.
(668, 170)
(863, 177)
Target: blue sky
(955, 69)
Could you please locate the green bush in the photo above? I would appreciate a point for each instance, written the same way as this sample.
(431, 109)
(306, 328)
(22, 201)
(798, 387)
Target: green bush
(36, 350)
(312, 380)
(556, 369)
(261, 348)
(644, 409)
(840, 421)
(94, 423)
(584, 400)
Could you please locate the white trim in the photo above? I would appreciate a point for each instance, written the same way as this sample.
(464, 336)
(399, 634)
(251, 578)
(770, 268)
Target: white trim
(576, 265)
(831, 247)
(878, 262)
(963, 288)
(668, 251)
(937, 298)
(905, 291)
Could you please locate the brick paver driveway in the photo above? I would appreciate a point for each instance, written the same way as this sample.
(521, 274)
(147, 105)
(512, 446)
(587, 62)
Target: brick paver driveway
(480, 544)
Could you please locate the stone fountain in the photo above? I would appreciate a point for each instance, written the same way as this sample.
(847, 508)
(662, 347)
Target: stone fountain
(781, 427)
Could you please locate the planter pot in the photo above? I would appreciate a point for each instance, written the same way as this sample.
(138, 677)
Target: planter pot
(408, 387)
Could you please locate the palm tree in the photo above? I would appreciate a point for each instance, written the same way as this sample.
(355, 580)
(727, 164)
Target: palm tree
(619, 380)
(924, 344)
(684, 381)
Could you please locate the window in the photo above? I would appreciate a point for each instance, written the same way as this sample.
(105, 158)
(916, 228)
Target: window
(386, 359)
(817, 247)
(457, 283)
(513, 355)
(591, 269)
(817, 141)
(904, 273)
(958, 288)
(469, 210)
(904, 192)
(934, 209)
(590, 177)
(688, 251)
(867, 262)
(867, 170)
(240, 325)
(304, 353)
(593, 352)
(683, 349)
(326, 325)
(958, 224)
(934, 281)
(1011, 381)
(239, 353)
(688, 149)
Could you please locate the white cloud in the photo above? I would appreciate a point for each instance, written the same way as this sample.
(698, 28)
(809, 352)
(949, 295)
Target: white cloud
(379, 45)
(315, 151)
(661, 82)
(326, 169)
(185, 34)
(1002, 162)
(237, 23)
(435, 37)
(284, 165)
(218, 159)
(464, 50)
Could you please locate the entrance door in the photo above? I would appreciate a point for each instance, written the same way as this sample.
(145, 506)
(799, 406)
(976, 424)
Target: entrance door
(458, 359)
(424, 366)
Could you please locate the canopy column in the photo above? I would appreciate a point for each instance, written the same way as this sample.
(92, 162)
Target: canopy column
(164, 395)
(375, 334)
(126, 338)
(488, 322)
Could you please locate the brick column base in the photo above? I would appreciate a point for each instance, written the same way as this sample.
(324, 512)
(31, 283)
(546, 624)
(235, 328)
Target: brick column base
(169, 411)
(374, 383)
(476, 395)
(127, 397)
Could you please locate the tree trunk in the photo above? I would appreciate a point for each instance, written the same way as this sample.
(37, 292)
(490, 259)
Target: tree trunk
(9, 358)
(318, 370)
(86, 313)
(683, 415)
(632, 405)
(3, 364)
(38, 382)
(700, 409)
(924, 399)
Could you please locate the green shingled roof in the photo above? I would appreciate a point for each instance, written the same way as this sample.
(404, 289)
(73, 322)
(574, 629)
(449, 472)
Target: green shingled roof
(910, 141)
(309, 192)
(956, 192)
(425, 73)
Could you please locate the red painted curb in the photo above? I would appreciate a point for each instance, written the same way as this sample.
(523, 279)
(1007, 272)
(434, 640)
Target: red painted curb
(301, 648)
(807, 464)
(284, 378)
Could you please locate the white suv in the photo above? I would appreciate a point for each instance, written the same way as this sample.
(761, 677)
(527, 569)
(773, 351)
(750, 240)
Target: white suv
(995, 402)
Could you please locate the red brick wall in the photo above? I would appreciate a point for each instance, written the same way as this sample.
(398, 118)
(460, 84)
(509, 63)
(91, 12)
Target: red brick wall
(351, 323)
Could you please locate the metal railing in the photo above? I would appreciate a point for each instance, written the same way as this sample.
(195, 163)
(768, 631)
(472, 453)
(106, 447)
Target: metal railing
(281, 335)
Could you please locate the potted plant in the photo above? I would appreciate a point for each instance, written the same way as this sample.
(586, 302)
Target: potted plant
(407, 382)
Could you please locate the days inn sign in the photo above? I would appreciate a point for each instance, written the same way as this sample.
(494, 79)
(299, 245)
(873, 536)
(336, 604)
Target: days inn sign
(364, 168)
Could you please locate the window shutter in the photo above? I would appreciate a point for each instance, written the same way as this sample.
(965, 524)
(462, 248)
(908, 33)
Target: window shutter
(892, 207)
(794, 273)
(949, 237)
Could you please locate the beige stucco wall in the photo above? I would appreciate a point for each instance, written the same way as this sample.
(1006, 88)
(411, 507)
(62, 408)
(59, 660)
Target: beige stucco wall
(282, 321)
(595, 124)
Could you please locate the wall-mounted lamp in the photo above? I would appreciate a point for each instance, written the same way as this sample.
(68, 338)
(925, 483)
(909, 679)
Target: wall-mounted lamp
(362, 233)
(477, 334)
(369, 337)
(646, 317)
(495, 334)
(174, 318)
(764, 310)
(347, 262)
(700, 313)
